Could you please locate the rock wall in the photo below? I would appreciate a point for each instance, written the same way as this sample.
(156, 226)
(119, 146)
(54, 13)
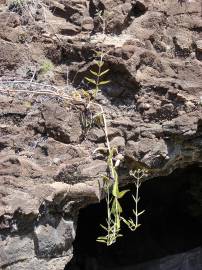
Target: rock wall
(48, 168)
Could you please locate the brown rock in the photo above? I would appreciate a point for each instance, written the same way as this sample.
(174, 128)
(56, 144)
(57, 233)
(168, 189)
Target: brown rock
(10, 19)
(199, 46)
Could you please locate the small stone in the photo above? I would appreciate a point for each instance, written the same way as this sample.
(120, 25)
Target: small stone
(127, 51)
(169, 106)
(147, 106)
(190, 104)
(118, 142)
(144, 106)
(56, 161)
(183, 40)
(180, 112)
(141, 100)
(88, 24)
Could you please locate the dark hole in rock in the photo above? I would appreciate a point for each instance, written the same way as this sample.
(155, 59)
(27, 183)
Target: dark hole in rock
(199, 126)
(169, 238)
(95, 7)
(58, 12)
(138, 9)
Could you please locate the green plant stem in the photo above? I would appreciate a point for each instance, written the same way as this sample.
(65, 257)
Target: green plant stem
(136, 202)
(105, 125)
(99, 72)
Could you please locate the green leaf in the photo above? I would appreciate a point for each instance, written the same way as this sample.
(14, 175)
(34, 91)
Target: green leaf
(105, 178)
(94, 73)
(122, 193)
(119, 207)
(105, 228)
(114, 151)
(116, 207)
(115, 174)
(98, 53)
(118, 223)
(142, 212)
(96, 90)
(103, 82)
(138, 213)
(104, 72)
(99, 63)
(124, 220)
(113, 209)
(115, 190)
(101, 241)
(90, 80)
(85, 93)
(102, 238)
(136, 201)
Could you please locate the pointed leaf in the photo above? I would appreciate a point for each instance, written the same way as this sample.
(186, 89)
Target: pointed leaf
(115, 190)
(119, 207)
(122, 193)
(85, 93)
(90, 80)
(103, 82)
(135, 199)
(115, 175)
(105, 228)
(116, 207)
(118, 223)
(113, 209)
(102, 237)
(99, 63)
(104, 72)
(94, 73)
(142, 212)
(98, 53)
(125, 221)
(101, 241)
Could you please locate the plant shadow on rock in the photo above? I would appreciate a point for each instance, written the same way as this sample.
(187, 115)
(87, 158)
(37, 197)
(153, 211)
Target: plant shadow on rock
(170, 225)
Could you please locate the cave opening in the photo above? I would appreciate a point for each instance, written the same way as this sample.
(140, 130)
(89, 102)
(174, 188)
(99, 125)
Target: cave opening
(171, 225)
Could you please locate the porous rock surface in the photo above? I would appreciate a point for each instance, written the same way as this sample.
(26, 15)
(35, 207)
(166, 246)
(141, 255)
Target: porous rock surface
(48, 167)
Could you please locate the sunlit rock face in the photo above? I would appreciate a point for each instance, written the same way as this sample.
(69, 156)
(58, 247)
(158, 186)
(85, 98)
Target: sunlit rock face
(48, 167)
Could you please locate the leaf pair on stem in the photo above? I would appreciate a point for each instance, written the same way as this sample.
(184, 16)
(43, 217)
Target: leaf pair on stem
(97, 81)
